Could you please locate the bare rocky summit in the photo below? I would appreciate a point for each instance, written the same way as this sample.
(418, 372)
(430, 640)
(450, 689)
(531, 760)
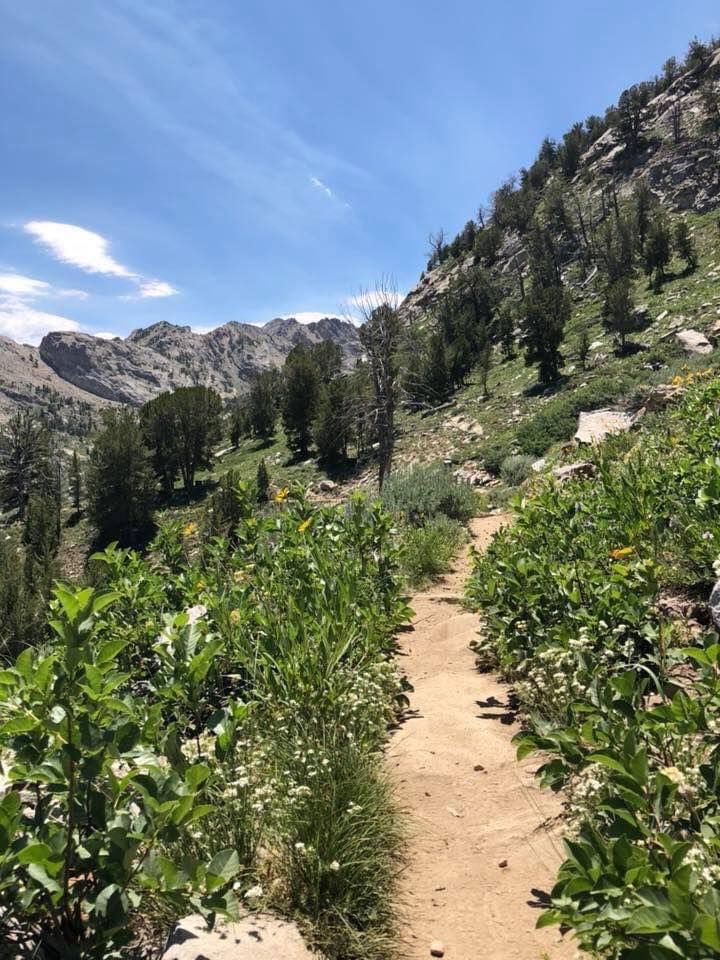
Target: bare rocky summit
(76, 370)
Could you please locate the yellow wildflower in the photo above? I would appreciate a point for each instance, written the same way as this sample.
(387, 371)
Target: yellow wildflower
(622, 552)
(304, 525)
(199, 584)
(239, 576)
(189, 529)
(234, 617)
(281, 494)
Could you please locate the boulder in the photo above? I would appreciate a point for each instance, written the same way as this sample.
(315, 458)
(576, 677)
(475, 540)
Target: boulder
(692, 341)
(255, 937)
(572, 471)
(327, 486)
(595, 425)
(640, 314)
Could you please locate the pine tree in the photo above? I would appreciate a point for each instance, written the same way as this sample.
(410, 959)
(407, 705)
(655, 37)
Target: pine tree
(546, 308)
(685, 245)
(263, 400)
(75, 482)
(182, 428)
(26, 462)
(629, 117)
(262, 482)
(300, 395)
(657, 250)
(332, 427)
(484, 365)
(121, 485)
(583, 348)
(506, 329)
(618, 310)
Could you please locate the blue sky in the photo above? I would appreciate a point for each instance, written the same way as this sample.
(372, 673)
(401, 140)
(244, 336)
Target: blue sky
(200, 161)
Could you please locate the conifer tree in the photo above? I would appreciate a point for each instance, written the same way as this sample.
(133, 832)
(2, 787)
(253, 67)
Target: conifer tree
(262, 482)
(300, 395)
(684, 245)
(121, 484)
(75, 482)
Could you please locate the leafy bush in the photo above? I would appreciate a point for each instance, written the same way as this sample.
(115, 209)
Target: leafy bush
(625, 716)
(515, 469)
(428, 550)
(90, 803)
(211, 703)
(426, 491)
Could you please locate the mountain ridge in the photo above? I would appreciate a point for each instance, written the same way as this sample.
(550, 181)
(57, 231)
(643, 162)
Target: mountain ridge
(87, 372)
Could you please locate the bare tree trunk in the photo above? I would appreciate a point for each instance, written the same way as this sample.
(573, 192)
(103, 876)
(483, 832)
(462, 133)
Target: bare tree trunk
(380, 336)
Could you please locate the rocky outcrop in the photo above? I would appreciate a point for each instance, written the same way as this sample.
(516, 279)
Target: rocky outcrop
(595, 425)
(27, 381)
(165, 356)
(692, 341)
(255, 937)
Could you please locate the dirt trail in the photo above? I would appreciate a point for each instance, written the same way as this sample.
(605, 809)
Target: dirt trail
(466, 822)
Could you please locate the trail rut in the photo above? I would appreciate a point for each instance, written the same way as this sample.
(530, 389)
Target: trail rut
(472, 806)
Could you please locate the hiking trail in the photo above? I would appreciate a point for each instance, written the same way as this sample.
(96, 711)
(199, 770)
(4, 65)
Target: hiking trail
(482, 850)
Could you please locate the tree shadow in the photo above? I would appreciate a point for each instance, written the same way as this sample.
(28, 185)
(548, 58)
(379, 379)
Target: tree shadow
(540, 389)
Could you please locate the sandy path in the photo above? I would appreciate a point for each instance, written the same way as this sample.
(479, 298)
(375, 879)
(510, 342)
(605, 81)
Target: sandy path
(468, 821)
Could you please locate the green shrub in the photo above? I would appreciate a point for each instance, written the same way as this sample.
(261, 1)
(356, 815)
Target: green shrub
(625, 717)
(494, 452)
(515, 469)
(426, 491)
(428, 550)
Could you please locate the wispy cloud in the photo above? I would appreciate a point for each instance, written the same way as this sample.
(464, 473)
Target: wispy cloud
(77, 246)
(328, 191)
(90, 251)
(156, 288)
(317, 182)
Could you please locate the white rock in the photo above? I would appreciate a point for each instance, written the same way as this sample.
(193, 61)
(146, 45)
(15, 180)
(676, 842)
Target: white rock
(327, 486)
(594, 425)
(692, 341)
(437, 949)
(256, 937)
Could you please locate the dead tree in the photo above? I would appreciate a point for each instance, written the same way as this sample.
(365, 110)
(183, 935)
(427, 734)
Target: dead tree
(380, 334)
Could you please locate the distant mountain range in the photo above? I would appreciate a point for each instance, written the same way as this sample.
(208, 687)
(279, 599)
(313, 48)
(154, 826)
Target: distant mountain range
(76, 370)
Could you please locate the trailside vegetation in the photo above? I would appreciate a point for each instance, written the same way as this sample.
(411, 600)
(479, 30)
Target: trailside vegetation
(202, 733)
(621, 697)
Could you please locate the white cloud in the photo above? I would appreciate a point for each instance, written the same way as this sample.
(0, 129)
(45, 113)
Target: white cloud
(19, 286)
(205, 329)
(22, 323)
(18, 317)
(104, 335)
(156, 288)
(77, 246)
(90, 251)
